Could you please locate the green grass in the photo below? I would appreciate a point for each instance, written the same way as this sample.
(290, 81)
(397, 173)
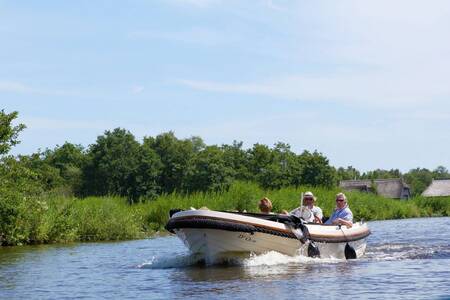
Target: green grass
(54, 218)
(62, 219)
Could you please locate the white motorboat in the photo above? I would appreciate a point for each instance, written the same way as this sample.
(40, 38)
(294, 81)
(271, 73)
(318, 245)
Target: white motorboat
(214, 233)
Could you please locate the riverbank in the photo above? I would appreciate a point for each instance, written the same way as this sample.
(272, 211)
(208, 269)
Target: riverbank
(54, 218)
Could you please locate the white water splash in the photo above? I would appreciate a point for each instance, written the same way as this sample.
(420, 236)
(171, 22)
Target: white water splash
(271, 258)
(179, 261)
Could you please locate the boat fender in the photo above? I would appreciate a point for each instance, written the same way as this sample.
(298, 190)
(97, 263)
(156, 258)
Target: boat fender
(313, 249)
(349, 252)
(299, 235)
(297, 227)
(294, 221)
(305, 231)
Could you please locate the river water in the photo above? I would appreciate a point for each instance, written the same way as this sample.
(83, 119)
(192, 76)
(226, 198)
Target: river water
(405, 259)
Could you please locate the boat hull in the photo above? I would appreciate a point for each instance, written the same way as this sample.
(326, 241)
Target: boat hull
(214, 242)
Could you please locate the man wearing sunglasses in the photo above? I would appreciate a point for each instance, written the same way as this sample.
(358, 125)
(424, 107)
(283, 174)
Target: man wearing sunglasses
(342, 214)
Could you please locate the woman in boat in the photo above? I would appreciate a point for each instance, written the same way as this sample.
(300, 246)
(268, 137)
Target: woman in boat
(342, 214)
(307, 206)
(265, 206)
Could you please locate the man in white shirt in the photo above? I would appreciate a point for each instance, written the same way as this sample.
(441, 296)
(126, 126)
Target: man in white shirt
(308, 211)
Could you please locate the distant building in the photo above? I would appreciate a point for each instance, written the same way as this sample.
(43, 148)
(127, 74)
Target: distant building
(394, 188)
(438, 188)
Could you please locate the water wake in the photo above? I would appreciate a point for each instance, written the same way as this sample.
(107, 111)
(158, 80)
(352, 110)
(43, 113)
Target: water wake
(401, 251)
(376, 252)
(271, 258)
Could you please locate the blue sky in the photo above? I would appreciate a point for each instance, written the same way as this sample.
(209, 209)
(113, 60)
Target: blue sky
(367, 83)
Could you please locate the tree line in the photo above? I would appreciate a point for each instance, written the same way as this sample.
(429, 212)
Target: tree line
(118, 164)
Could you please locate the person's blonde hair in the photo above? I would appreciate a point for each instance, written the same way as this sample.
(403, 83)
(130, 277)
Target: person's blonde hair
(341, 195)
(265, 203)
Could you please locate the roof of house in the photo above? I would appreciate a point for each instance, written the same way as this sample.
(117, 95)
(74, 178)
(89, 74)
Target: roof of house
(390, 188)
(438, 187)
(354, 183)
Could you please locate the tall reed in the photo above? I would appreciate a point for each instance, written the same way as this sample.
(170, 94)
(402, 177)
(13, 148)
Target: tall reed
(53, 218)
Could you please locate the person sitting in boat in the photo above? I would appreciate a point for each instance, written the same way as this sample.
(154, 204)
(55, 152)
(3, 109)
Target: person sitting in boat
(342, 214)
(265, 206)
(308, 211)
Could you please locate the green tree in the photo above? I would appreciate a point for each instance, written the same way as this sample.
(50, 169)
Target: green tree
(259, 159)
(418, 179)
(441, 172)
(176, 157)
(69, 159)
(18, 189)
(112, 163)
(274, 168)
(316, 170)
(382, 174)
(46, 174)
(210, 171)
(349, 173)
(283, 170)
(197, 143)
(288, 163)
(237, 159)
(8, 132)
(147, 177)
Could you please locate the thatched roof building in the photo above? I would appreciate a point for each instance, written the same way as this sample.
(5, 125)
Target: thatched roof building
(438, 188)
(390, 188)
(356, 185)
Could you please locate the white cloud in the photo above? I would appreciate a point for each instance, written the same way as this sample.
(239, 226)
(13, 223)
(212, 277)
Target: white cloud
(21, 88)
(211, 86)
(59, 124)
(194, 35)
(270, 4)
(14, 87)
(369, 53)
(137, 89)
(197, 3)
(374, 90)
(78, 125)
